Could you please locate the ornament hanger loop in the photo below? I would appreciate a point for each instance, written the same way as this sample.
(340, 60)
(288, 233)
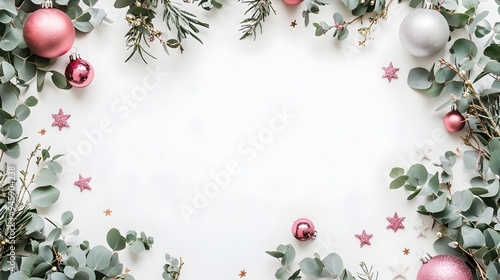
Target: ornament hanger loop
(46, 4)
(73, 55)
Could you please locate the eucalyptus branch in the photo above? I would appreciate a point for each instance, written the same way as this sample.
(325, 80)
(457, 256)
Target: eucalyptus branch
(259, 10)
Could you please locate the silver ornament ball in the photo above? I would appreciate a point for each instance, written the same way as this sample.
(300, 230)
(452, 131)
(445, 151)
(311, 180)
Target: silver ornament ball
(424, 32)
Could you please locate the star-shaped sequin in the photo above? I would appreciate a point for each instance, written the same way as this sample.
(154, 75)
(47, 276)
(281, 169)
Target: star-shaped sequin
(406, 251)
(42, 131)
(399, 270)
(395, 222)
(60, 119)
(83, 183)
(390, 72)
(107, 212)
(421, 229)
(293, 24)
(243, 273)
(364, 238)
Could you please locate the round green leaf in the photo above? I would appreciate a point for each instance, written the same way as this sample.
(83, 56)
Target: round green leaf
(66, 218)
(310, 267)
(436, 205)
(473, 238)
(115, 240)
(59, 80)
(334, 263)
(45, 177)
(22, 112)
(418, 78)
(12, 129)
(98, 258)
(31, 101)
(13, 150)
(7, 71)
(44, 196)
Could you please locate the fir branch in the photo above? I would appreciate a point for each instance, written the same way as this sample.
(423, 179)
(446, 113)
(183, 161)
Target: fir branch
(367, 273)
(488, 121)
(142, 31)
(259, 10)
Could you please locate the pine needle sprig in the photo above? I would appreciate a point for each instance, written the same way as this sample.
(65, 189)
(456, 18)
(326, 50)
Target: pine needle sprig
(259, 10)
(184, 23)
(140, 15)
(367, 273)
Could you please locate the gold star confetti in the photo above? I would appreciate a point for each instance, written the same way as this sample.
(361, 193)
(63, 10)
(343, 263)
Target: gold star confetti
(293, 24)
(406, 251)
(243, 273)
(107, 212)
(126, 270)
(42, 131)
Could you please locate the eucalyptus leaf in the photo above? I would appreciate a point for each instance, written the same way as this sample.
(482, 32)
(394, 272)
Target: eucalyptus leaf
(418, 78)
(123, 3)
(66, 218)
(115, 240)
(495, 162)
(31, 101)
(334, 264)
(7, 71)
(22, 112)
(436, 205)
(473, 238)
(13, 150)
(11, 38)
(98, 258)
(310, 267)
(12, 129)
(45, 177)
(44, 196)
(435, 89)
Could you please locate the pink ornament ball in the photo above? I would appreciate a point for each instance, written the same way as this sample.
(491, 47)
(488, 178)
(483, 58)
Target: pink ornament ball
(454, 121)
(292, 2)
(444, 267)
(79, 72)
(49, 32)
(303, 229)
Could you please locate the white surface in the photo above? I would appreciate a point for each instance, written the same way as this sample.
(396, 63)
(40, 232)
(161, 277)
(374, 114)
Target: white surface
(348, 128)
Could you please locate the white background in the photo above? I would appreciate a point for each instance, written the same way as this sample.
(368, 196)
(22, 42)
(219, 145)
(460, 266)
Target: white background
(330, 163)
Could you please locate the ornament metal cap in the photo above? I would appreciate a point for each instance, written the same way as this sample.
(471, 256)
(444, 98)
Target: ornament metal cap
(425, 258)
(46, 4)
(428, 5)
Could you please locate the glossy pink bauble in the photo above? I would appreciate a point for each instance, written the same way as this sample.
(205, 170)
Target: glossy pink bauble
(79, 72)
(444, 267)
(292, 2)
(454, 121)
(303, 229)
(49, 33)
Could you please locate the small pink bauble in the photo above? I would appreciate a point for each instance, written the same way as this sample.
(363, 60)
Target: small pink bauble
(303, 229)
(49, 32)
(454, 121)
(292, 2)
(443, 267)
(79, 72)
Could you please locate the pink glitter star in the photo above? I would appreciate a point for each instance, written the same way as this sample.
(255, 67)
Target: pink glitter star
(83, 183)
(390, 72)
(364, 238)
(395, 222)
(60, 119)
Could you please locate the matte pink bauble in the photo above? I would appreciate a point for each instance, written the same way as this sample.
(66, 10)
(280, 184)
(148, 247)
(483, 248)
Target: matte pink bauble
(292, 2)
(79, 72)
(303, 229)
(49, 32)
(443, 267)
(454, 121)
